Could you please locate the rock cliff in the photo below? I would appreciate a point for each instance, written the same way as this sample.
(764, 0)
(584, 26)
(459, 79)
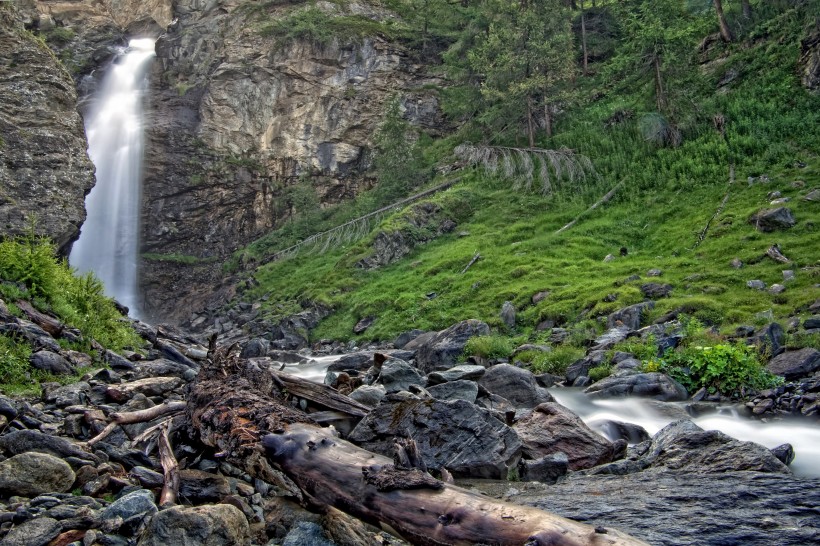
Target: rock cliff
(45, 172)
(240, 109)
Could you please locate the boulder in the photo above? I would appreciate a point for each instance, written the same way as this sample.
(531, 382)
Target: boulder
(306, 533)
(160, 367)
(131, 508)
(546, 469)
(756, 284)
(398, 375)
(50, 362)
(654, 290)
(608, 339)
(8, 407)
(461, 389)
(812, 323)
(363, 360)
(580, 368)
(629, 317)
(795, 364)
(618, 430)
(210, 525)
(34, 532)
(654, 385)
(508, 314)
(773, 219)
(456, 373)
(32, 474)
(515, 384)
(22, 441)
(551, 428)
(784, 453)
(369, 395)
(461, 437)
(255, 348)
(406, 337)
(769, 339)
(363, 325)
(69, 395)
(196, 486)
(443, 350)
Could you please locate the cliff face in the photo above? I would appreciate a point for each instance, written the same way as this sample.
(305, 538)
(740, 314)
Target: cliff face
(45, 172)
(238, 116)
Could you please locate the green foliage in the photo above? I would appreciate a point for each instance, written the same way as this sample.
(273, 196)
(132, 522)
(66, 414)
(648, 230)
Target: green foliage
(320, 27)
(492, 346)
(14, 365)
(176, 258)
(79, 301)
(398, 161)
(555, 362)
(599, 372)
(60, 36)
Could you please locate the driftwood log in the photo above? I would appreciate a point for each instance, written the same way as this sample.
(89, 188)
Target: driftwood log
(241, 410)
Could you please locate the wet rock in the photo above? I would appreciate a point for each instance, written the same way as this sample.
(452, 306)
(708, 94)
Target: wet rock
(369, 395)
(398, 375)
(131, 508)
(461, 389)
(34, 532)
(629, 317)
(8, 407)
(160, 367)
(619, 430)
(773, 219)
(457, 435)
(443, 350)
(795, 364)
(581, 367)
(784, 453)
(363, 360)
(551, 428)
(406, 337)
(255, 348)
(515, 384)
(306, 533)
(210, 525)
(22, 441)
(546, 469)
(196, 486)
(657, 386)
(32, 474)
(71, 395)
(812, 323)
(50, 362)
(608, 339)
(769, 339)
(456, 373)
(508, 314)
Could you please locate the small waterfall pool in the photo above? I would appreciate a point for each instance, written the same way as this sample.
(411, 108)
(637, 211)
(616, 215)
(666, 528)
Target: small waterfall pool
(109, 240)
(803, 435)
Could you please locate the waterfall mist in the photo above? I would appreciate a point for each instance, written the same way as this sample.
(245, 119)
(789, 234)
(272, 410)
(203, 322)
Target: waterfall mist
(109, 240)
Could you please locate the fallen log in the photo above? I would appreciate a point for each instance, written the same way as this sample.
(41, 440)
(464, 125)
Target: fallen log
(242, 416)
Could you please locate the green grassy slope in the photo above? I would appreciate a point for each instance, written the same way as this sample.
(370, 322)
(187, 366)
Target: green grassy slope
(667, 197)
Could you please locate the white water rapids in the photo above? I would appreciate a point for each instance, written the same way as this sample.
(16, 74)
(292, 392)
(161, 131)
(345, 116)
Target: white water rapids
(803, 435)
(109, 240)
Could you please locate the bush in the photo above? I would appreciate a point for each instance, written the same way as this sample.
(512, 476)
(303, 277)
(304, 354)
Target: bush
(599, 372)
(14, 365)
(489, 347)
(555, 361)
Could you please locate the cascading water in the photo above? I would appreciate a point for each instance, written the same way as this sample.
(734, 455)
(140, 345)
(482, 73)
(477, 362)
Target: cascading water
(109, 241)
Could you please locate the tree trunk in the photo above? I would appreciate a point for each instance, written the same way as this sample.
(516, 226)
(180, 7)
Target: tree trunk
(238, 409)
(584, 40)
(725, 31)
(660, 94)
(746, 8)
(530, 128)
(547, 119)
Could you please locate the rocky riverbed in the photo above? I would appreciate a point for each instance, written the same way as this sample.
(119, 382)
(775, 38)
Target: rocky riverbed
(68, 476)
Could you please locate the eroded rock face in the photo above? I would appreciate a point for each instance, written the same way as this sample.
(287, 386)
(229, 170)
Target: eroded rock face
(45, 171)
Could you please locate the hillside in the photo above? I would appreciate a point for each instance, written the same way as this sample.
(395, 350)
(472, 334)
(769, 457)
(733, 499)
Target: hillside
(744, 138)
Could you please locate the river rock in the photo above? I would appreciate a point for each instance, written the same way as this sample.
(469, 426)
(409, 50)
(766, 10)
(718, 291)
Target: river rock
(515, 384)
(406, 337)
(50, 362)
(631, 316)
(8, 407)
(69, 395)
(306, 533)
(255, 348)
(456, 373)
(773, 219)
(551, 428)
(618, 430)
(456, 435)
(131, 508)
(22, 441)
(369, 395)
(795, 364)
(210, 525)
(443, 350)
(363, 360)
(398, 375)
(160, 367)
(461, 389)
(608, 339)
(654, 385)
(32, 474)
(546, 469)
(34, 532)
(196, 486)
(581, 367)
(769, 339)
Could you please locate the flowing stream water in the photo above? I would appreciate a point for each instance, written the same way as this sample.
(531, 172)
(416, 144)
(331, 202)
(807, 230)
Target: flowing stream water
(653, 416)
(109, 240)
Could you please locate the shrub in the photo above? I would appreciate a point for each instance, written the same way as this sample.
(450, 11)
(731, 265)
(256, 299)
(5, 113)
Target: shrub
(599, 372)
(555, 361)
(14, 365)
(492, 346)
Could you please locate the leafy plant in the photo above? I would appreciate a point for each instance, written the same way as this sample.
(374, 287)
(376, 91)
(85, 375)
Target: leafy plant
(14, 364)
(555, 362)
(492, 346)
(599, 372)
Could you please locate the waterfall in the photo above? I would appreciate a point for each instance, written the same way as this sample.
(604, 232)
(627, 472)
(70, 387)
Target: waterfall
(109, 241)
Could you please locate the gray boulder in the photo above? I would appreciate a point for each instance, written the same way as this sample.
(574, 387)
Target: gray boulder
(629, 317)
(546, 469)
(443, 350)
(363, 360)
(50, 362)
(795, 364)
(398, 375)
(654, 385)
(654, 290)
(196, 486)
(255, 348)
(508, 314)
(461, 389)
(456, 435)
(70, 395)
(210, 525)
(22, 441)
(406, 337)
(8, 407)
(131, 508)
(369, 395)
(773, 219)
(32, 474)
(456, 373)
(770, 339)
(306, 533)
(580, 368)
(515, 384)
(608, 339)
(34, 532)
(551, 428)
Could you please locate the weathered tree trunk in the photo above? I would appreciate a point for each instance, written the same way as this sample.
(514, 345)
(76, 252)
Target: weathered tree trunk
(725, 31)
(241, 412)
